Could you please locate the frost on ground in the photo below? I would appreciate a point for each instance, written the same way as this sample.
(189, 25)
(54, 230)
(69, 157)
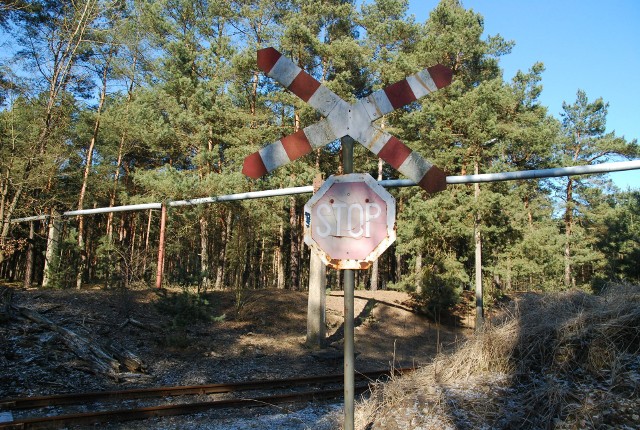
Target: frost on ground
(561, 361)
(312, 417)
(215, 339)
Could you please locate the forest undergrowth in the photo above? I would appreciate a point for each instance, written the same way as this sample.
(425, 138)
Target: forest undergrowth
(546, 361)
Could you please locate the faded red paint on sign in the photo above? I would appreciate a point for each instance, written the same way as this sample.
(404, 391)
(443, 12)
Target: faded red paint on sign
(350, 221)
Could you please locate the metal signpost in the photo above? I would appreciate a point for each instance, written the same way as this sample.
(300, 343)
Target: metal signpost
(349, 358)
(350, 221)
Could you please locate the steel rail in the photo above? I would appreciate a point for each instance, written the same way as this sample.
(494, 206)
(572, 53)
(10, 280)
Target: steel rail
(139, 393)
(88, 418)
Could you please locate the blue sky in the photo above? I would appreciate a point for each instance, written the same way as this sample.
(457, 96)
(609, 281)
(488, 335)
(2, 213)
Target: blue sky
(589, 45)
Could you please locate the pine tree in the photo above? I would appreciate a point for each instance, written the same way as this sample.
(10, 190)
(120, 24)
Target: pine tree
(617, 232)
(54, 43)
(585, 142)
(459, 129)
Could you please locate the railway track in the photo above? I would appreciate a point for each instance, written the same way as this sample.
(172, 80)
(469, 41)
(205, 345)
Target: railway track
(306, 389)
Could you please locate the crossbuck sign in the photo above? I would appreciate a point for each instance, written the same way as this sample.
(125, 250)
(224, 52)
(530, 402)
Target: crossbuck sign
(344, 119)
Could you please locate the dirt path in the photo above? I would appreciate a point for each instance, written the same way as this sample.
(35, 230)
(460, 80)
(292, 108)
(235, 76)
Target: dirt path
(388, 331)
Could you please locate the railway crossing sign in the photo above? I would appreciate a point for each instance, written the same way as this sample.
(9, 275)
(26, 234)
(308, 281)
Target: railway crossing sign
(344, 119)
(350, 221)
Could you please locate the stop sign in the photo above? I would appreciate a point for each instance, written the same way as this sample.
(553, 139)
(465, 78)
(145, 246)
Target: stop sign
(350, 221)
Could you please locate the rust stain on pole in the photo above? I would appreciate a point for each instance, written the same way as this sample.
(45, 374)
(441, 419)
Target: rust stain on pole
(163, 225)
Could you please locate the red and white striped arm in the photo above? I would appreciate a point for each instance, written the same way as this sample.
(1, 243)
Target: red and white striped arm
(344, 119)
(408, 162)
(406, 91)
(294, 146)
(296, 80)
(288, 149)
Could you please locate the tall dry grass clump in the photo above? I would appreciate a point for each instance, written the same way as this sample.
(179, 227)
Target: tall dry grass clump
(566, 360)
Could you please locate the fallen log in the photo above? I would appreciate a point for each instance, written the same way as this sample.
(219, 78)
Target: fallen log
(138, 324)
(101, 361)
(132, 362)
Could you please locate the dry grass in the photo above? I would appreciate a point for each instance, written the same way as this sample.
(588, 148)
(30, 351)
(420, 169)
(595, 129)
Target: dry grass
(568, 360)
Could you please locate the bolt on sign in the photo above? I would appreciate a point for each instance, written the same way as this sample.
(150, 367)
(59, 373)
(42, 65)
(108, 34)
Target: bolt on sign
(344, 119)
(350, 221)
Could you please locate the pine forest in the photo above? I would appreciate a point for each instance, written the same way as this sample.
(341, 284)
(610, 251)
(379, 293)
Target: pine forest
(118, 102)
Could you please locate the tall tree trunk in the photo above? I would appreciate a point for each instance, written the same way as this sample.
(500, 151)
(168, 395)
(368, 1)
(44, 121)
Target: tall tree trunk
(293, 256)
(478, 253)
(205, 263)
(280, 260)
(254, 94)
(568, 226)
(527, 208)
(28, 270)
(122, 231)
(398, 271)
(204, 254)
(222, 255)
(163, 225)
(85, 179)
(375, 274)
(418, 273)
(123, 136)
(316, 305)
(94, 138)
(261, 269)
(51, 258)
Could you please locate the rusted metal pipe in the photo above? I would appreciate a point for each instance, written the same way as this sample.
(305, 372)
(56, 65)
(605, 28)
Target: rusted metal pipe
(163, 227)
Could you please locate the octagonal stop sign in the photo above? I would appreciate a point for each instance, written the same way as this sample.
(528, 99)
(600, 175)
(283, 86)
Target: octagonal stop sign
(350, 221)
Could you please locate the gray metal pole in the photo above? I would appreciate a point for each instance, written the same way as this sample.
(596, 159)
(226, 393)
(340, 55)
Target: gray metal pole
(244, 196)
(546, 173)
(349, 356)
(619, 166)
(389, 183)
(139, 207)
(349, 286)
